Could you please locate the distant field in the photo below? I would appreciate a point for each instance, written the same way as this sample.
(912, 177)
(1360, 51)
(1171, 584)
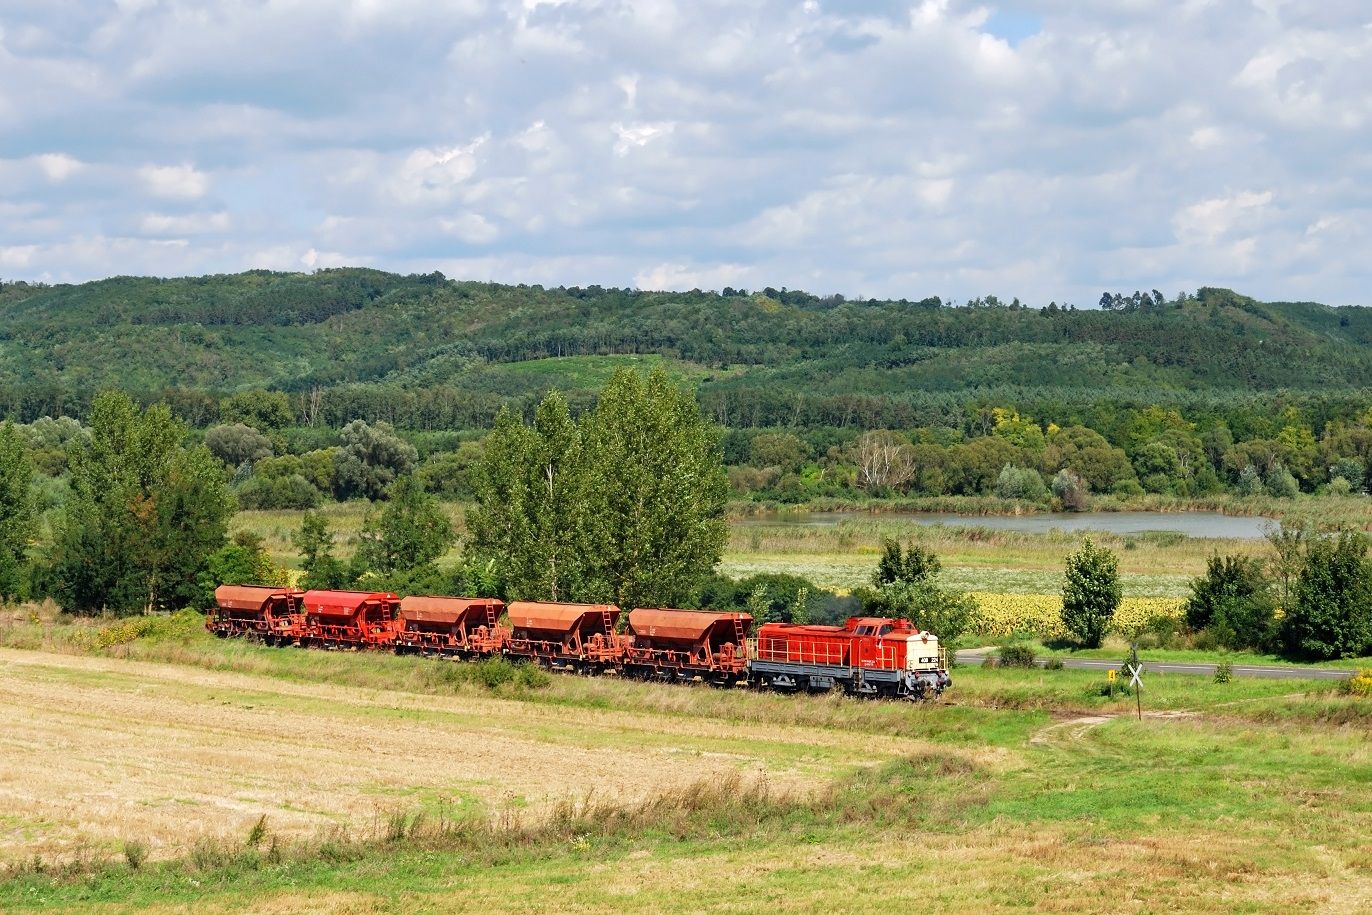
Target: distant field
(843, 555)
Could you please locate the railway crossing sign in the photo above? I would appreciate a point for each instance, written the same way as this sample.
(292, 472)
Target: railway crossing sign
(1135, 668)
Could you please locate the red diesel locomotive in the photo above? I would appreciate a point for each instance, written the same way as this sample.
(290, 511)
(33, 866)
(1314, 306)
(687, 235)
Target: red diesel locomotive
(867, 656)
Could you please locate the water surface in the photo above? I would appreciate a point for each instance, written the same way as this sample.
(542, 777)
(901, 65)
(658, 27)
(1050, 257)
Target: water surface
(1189, 524)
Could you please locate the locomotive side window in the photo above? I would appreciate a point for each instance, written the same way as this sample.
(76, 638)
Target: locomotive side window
(885, 629)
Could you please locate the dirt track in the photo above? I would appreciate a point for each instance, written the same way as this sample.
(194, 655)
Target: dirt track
(95, 751)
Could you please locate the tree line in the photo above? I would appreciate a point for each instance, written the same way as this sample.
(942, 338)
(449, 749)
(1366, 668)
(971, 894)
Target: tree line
(425, 352)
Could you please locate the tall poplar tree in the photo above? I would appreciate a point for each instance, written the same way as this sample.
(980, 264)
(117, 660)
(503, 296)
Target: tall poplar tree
(16, 512)
(144, 515)
(658, 513)
(1090, 593)
(626, 505)
(533, 503)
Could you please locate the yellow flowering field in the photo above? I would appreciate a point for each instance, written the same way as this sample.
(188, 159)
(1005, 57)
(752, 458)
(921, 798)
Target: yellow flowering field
(1003, 614)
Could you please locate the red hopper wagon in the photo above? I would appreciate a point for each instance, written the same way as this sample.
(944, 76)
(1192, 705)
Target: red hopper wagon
(867, 656)
(688, 645)
(577, 637)
(254, 611)
(463, 627)
(348, 619)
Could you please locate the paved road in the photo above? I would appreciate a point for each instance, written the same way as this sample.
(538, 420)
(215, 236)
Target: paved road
(1179, 667)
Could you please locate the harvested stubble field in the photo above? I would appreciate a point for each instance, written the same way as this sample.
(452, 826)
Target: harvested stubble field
(97, 751)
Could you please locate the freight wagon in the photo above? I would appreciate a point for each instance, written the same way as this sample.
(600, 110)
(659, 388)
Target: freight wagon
(688, 645)
(461, 627)
(254, 611)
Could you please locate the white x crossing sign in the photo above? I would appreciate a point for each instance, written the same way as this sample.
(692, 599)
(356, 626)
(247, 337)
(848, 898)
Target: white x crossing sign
(1135, 674)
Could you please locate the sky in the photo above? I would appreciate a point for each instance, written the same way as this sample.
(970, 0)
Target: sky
(1044, 150)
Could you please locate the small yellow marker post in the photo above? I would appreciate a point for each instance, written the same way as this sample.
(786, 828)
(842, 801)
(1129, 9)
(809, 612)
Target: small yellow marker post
(1110, 675)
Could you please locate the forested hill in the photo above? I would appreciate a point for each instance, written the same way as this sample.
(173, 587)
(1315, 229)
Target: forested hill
(428, 352)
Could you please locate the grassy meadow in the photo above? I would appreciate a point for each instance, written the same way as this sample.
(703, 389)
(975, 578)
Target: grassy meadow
(184, 772)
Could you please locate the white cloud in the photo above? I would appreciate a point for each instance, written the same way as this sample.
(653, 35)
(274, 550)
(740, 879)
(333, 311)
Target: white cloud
(470, 227)
(633, 136)
(188, 224)
(17, 256)
(683, 276)
(1209, 220)
(58, 166)
(434, 175)
(318, 259)
(174, 182)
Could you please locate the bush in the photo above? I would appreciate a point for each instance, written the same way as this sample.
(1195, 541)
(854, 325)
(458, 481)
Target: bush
(1331, 612)
(1127, 488)
(1158, 632)
(1233, 598)
(237, 444)
(1090, 593)
(780, 592)
(1280, 483)
(1020, 483)
(493, 673)
(135, 853)
(1053, 664)
(289, 492)
(1350, 470)
(945, 613)
(1224, 672)
(244, 561)
(913, 564)
(1339, 486)
(1071, 490)
(1017, 656)
(1360, 684)
(1249, 482)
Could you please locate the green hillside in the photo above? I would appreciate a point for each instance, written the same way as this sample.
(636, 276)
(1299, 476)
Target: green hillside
(428, 352)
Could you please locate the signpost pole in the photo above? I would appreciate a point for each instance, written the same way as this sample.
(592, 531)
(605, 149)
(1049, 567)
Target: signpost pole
(1137, 670)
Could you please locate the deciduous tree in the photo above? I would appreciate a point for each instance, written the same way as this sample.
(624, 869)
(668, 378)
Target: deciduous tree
(17, 516)
(410, 532)
(659, 490)
(1090, 593)
(1331, 614)
(370, 459)
(144, 516)
(237, 444)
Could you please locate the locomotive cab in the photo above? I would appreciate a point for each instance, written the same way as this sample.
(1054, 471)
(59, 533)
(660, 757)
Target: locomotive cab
(926, 665)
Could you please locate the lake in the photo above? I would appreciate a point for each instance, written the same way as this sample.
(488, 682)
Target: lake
(1191, 524)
